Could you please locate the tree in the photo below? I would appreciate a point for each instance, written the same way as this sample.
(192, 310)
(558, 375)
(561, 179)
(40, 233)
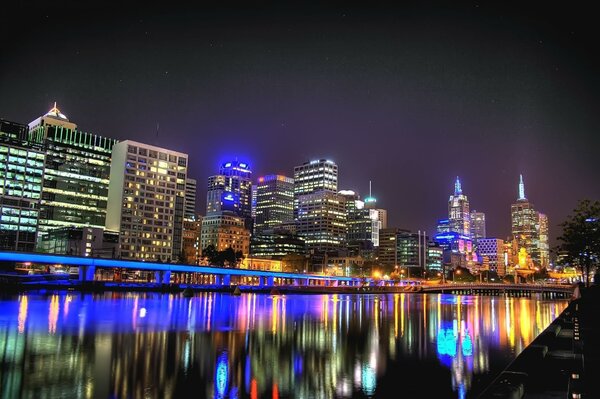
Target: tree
(580, 241)
(212, 255)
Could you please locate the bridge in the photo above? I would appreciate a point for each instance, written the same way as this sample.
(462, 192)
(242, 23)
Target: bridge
(90, 269)
(214, 275)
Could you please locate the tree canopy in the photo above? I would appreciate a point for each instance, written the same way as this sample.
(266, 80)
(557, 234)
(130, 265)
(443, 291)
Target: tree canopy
(580, 240)
(227, 257)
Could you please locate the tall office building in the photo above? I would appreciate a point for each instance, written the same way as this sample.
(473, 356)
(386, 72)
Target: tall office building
(274, 202)
(362, 224)
(21, 176)
(192, 223)
(493, 249)
(477, 225)
(230, 190)
(388, 245)
(146, 200)
(314, 176)
(76, 173)
(319, 212)
(526, 228)
(412, 249)
(190, 200)
(375, 213)
(458, 211)
(321, 220)
(544, 246)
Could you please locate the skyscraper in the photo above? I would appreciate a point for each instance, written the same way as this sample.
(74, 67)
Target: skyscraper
(526, 229)
(458, 211)
(319, 212)
(362, 224)
(76, 173)
(274, 202)
(231, 190)
(544, 247)
(21, 175)
(190, 200)
(314, 176)
(322, 220)
(146, 200)
(477, 225)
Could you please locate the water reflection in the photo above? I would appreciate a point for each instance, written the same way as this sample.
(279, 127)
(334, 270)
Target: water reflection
(222, 346)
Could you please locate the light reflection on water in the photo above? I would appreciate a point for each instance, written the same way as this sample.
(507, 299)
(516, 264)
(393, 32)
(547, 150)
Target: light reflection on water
(302, 346)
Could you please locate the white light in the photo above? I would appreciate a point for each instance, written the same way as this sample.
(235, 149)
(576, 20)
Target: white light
(142, 313)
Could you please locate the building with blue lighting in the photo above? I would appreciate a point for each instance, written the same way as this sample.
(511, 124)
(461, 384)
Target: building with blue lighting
(231, 190)
(459, 217)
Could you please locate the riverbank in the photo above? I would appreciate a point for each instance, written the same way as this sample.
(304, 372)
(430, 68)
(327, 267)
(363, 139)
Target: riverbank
(562, 362)
(23, 284)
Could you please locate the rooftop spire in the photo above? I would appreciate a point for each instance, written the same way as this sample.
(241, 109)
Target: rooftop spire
(457, 187)
(521, 188)
(55, 112)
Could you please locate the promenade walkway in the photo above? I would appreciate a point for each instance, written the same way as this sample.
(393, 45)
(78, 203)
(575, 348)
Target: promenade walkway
(562, 362)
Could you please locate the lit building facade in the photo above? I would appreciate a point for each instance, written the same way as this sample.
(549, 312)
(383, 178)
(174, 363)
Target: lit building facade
(313, 176)
(458, 211)
(274, 202)
(477, 225)
(21, 177)
(321, 220)
(276, 244)
(191, 240)
(387, 252)
(527, 229)
(412, 249)
(493, 249)
(81, 241)
(443, 226)
(76, 173)
(544, 246)
(224, 231)
(190, 200)
(362, 224)
(231, 190)
(146, 200)
(435, 257)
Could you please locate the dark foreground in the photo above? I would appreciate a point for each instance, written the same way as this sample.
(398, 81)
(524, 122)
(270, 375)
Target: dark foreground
(563, 361)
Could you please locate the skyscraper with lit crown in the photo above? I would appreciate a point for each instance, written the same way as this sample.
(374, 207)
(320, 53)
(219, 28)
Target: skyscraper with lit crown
(76, 173)
(529, 229)
(458, 211)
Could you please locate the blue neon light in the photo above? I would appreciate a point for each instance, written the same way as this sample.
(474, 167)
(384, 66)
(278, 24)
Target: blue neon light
(228, 165)
(228, 197)
(467, 345)
(138, 265)
(221, 375)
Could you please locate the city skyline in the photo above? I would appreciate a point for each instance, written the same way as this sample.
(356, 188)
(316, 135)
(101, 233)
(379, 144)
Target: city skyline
(415, 94)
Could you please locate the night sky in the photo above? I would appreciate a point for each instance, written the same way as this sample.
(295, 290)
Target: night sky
(406, 97)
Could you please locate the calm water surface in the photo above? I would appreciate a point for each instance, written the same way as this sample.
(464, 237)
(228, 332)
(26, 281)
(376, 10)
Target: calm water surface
(147, 345)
